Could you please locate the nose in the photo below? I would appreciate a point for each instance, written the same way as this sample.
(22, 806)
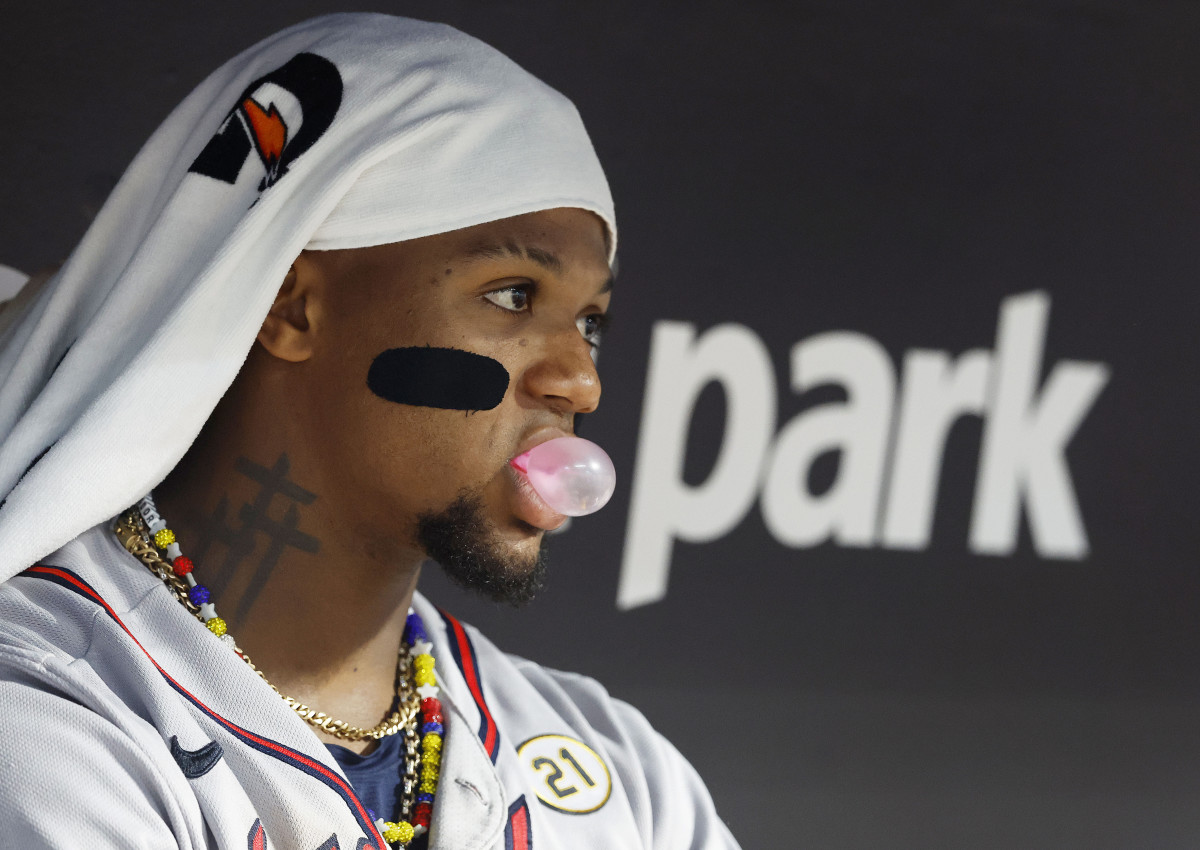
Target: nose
(564, 377)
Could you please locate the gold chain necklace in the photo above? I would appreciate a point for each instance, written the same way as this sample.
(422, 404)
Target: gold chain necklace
(134, 535)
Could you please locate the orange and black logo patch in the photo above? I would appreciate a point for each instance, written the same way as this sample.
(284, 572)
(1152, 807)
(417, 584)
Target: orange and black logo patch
(278, 117)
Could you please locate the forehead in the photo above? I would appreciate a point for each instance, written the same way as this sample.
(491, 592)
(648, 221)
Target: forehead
(569, 244)
(561, 240)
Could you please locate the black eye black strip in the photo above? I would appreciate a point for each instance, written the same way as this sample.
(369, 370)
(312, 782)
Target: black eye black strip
(445, 378)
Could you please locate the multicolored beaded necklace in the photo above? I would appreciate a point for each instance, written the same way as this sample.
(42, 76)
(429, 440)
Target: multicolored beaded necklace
(145, 534)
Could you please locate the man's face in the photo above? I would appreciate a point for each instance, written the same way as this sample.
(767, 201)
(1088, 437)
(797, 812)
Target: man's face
(524, 296)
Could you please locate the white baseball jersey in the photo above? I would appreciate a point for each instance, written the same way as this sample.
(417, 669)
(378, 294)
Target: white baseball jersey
(126, 723)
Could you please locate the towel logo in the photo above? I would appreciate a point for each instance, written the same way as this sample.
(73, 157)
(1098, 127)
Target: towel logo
(279, 116)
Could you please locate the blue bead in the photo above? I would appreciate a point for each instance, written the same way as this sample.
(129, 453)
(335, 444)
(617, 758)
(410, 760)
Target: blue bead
(371, 812)
(414, 629)
(424, 798)
(199, 595)
(431, 727)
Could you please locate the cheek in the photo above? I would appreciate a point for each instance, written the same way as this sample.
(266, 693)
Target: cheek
(442, 378)
(414, 459)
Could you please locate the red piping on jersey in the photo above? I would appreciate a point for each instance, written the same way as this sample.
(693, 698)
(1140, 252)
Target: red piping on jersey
(518, 834)
(464, 654)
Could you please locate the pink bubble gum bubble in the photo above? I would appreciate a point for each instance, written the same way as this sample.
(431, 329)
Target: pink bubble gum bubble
(573, 476)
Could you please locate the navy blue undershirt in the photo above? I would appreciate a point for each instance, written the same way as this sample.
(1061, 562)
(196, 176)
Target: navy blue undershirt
(375, 778)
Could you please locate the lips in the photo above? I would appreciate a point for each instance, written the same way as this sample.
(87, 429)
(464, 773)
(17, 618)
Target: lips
(529, 505)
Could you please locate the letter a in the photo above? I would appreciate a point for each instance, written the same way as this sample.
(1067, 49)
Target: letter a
(857, 429)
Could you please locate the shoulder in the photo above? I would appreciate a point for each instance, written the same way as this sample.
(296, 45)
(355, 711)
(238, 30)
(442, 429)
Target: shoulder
(524, 696)
(573, 693)
(67, 627)
(70, 733)
(663, 799)
(56, 604)
(517, 690)
(625, 733)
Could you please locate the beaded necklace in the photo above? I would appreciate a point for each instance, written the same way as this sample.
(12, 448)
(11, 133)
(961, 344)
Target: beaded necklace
(144, 533)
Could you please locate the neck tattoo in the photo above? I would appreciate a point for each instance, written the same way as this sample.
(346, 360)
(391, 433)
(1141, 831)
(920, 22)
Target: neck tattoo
(144, 533)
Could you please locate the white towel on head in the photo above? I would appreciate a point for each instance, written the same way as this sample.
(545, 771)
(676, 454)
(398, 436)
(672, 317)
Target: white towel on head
(343, 131)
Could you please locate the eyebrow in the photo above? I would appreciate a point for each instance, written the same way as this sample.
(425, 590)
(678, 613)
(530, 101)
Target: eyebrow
(500, 251)
(545, 259)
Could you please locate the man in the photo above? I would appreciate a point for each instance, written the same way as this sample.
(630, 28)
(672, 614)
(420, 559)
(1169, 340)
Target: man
(355, 274)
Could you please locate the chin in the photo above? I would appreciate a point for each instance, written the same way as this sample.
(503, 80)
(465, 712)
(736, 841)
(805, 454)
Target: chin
(474, 554)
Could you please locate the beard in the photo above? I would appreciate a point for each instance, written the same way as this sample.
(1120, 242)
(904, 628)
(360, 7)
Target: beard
(460, 538)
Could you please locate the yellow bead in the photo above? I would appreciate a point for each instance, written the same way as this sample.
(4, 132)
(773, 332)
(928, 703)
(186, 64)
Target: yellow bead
(428, 786)
(432, 743)
(429, 770)
(164, 538)
(423, 662)
(432, 758)
(397, 833)
(425, 677)
(217, 626)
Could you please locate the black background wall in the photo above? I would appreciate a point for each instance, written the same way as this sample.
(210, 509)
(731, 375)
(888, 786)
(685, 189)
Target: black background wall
(892, 171)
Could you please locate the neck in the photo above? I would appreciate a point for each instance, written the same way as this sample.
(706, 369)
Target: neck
(320, 608)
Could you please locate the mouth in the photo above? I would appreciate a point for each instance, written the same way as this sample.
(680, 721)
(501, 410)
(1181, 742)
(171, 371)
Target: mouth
(530, 507)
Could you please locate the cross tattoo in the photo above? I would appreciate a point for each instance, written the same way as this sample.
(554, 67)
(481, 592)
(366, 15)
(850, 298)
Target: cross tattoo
(255, 519)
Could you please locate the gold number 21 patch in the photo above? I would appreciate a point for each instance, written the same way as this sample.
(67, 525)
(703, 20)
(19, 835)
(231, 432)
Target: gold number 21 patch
(568, 775)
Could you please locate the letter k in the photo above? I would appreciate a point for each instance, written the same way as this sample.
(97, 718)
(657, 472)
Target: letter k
(1025, 438)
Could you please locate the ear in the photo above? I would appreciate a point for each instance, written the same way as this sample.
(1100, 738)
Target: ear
(287, 332)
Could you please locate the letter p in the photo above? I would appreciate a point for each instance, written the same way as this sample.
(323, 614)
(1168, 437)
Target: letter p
(663, 507)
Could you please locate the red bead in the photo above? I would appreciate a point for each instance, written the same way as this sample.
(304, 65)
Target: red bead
(183, 565)
(421, 814)
(431, 718)
(431, 705)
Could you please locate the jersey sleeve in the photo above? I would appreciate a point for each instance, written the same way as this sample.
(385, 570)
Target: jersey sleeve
(73, 778)
(682, 813)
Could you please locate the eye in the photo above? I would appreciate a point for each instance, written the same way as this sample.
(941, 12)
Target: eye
(592, 327)
(512, 298)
